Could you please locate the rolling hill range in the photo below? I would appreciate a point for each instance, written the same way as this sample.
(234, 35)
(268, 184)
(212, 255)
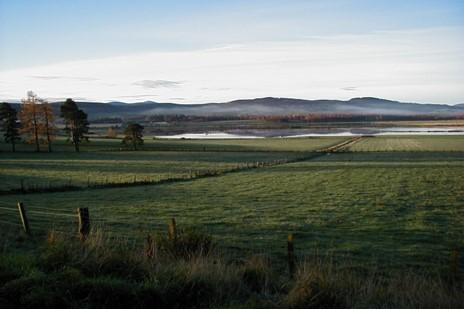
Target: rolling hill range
(265, 107)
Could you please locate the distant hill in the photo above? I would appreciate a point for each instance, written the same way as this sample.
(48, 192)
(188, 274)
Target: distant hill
(265, 106)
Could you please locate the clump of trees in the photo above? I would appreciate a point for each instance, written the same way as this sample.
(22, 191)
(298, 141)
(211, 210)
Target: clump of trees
(37, 122)
(133, 135)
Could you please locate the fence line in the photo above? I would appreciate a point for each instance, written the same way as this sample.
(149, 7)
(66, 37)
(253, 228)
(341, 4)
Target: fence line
(44, 208)
(84, 230)
(10, 204)
(56, 214)
(10, 223)
(9, 209)
(158, 180)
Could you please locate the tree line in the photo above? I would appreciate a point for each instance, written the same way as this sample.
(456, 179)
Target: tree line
(298, 117)
(36, 124)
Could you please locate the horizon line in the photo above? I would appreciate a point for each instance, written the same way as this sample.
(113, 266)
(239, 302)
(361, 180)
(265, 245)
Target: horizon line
(86, 100)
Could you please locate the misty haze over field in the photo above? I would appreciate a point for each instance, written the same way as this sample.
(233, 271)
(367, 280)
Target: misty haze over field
(266, 107)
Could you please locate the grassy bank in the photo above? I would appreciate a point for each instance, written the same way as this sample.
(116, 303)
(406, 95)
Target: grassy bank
(109, 273)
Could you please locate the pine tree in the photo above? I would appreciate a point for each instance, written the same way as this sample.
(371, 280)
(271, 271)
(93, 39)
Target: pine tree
(10, 125)
(133, 135)
(76, 123)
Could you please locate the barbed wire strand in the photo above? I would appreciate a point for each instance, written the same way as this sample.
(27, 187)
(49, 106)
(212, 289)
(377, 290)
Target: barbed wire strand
(9, 209)
(51, 213)
(10, 223)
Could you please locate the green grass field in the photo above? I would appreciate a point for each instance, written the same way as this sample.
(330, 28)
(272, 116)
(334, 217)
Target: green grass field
(393, 209)
(101, 161)
(410, 143)
(80, 169)
(226, 145)
(264, 144)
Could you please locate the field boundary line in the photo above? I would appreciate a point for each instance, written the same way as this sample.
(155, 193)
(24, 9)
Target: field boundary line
(341, 147)
(186, 178)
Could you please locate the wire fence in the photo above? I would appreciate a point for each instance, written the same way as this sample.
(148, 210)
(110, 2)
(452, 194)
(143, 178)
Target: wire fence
(43, 220)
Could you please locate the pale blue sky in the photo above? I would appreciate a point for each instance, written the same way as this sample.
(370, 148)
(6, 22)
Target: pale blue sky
(39, 33)
(44, 31)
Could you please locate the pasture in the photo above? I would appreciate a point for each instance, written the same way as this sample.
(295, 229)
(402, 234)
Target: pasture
(89, 168)
(410, 143)
(390, 209)
(101, 160)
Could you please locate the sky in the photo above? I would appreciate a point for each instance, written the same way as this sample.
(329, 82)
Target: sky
(218, 51)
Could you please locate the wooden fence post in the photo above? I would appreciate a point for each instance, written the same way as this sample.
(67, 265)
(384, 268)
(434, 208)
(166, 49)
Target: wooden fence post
(172, 230)
(84, 223)
(291, 255)
(24, 220)
(22, 186)
(150, 247)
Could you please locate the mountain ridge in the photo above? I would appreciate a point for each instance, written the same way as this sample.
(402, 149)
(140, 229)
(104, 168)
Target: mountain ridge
(266, 106)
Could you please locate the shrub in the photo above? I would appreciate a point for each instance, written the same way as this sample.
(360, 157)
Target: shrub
(188, 273)
(187, 244)
(257, 274)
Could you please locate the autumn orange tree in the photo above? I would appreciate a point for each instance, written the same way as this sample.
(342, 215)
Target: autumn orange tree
(37, 121)
(47, 123)
(111, 132)
(30, 119)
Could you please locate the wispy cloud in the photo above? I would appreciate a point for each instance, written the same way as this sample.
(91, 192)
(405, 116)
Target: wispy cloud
(138, 96)
(76, 98)
(52, 77)
(349, 88)
(160, 83)
(218, 89)
(46, 77)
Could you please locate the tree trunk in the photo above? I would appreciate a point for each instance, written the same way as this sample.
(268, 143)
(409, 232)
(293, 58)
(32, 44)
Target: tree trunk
(13, 145)
(49, 143)
(36, 136)
(75, 136)
(134, 141)
(76, 145)
(36, 131)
